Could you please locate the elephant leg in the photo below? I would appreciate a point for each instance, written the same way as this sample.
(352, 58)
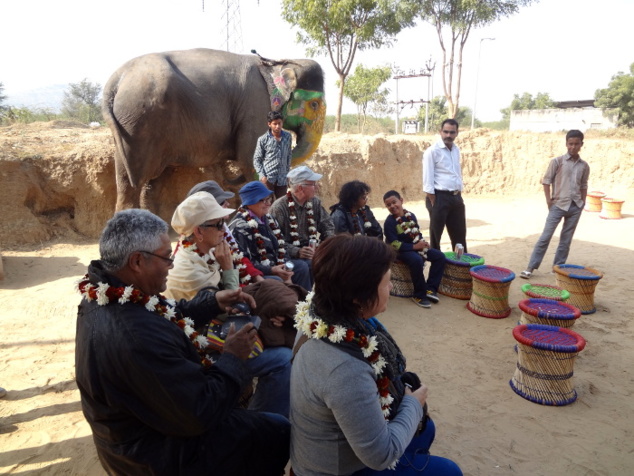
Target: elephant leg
(127, 195)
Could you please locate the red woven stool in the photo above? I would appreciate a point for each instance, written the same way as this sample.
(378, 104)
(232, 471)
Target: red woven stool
(548, 312)
(456, 281)
(545, 362)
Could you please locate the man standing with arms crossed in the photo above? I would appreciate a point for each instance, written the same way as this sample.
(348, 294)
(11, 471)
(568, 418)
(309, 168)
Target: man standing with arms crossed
(272, 156)
(442, 183)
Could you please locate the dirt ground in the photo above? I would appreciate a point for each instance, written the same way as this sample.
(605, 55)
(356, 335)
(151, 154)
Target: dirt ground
(466, 360)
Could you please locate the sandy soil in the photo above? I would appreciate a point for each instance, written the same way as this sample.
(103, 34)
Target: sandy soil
(466, 360)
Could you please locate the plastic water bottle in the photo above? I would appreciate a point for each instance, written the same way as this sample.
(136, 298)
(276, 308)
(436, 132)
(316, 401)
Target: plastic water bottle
(459, 251)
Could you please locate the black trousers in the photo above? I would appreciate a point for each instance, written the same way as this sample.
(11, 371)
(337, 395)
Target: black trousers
(448, 210)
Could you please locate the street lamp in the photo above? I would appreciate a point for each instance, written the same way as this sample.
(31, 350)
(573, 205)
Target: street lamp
(475, 93)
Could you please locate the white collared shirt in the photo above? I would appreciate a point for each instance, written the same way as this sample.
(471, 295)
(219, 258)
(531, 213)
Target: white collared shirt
(441, 168)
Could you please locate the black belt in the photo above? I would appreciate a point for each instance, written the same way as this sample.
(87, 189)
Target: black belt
(452, 192)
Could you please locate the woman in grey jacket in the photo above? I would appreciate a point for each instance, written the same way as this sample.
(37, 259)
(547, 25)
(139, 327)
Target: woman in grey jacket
(354, 408)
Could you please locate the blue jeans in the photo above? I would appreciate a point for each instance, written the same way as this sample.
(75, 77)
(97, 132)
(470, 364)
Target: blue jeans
(415, 262)
(303, 273)
(416, 460)
(273, 370)
(555, 214)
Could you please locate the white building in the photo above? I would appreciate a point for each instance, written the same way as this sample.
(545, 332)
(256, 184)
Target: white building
(581, 115)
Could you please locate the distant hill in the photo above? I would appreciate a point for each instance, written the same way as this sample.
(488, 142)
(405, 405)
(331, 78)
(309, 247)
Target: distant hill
(47, 97)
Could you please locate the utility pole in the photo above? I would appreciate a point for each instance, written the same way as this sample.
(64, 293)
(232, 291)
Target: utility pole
(398, 74)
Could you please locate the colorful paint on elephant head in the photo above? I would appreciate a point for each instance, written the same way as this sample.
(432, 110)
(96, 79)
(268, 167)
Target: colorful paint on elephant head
(305, 113)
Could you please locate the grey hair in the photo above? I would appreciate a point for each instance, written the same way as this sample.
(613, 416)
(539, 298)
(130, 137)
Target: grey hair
(129, 231)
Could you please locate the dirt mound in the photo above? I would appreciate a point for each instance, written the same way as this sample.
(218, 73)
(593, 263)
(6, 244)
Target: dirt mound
(58, 177)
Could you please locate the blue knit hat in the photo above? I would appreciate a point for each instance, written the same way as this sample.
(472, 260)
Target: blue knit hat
(253, 192)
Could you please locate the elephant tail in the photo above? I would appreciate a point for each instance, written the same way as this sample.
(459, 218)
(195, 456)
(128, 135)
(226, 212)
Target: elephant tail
(107, 106)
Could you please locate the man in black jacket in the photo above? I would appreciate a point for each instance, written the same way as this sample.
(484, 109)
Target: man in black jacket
(154, 399)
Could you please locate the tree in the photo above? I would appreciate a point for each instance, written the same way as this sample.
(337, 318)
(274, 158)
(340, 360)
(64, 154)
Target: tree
(363, 89)
(453, 20)
(526, 101)
(338, 28)
(3, 98)
(82, 101)
(619, 95)
(438, 112)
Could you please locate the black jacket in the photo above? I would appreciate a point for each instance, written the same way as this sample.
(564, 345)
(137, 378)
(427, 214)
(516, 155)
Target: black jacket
(153, 408)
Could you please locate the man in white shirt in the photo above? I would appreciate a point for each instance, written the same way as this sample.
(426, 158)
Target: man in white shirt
(442, 183)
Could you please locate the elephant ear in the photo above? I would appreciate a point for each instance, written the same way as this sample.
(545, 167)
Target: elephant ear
(281, 81)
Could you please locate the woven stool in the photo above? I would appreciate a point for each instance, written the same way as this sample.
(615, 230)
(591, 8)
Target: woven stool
(593, 201)
(456, 280)
(580, 283)
(401, 280)
(545, 291)
(490, 296)
(545, 362)
(611, 208)
(548, 312)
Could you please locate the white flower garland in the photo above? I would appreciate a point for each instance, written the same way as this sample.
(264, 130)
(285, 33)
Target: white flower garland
(294, 225)
(315, 328)
(105, 294)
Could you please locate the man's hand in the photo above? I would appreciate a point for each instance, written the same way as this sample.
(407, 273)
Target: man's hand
(227, 297)
(432, 198)
(240, 343)
(421, 245)
(264, 180)
(222, 253)
(306, 252)
(277, 321)
(280, 270)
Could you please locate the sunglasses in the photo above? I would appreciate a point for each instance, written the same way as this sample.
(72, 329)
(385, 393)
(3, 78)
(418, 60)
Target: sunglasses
(218, 226)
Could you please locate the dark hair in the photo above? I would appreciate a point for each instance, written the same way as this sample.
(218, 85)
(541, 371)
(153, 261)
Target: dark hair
(451, 122)
(273, 115)
(392, 193)
(348, 270)
(574, 133)
(351, 192)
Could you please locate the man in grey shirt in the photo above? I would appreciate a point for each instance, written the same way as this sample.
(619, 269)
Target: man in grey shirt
(567, 176)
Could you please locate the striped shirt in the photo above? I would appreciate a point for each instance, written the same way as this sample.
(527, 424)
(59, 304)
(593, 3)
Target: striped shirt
(568, 178)
(272, 157)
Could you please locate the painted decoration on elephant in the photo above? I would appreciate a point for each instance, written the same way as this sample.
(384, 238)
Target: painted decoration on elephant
(305, 110)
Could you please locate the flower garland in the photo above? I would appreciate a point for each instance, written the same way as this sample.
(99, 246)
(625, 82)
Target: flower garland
(410, 227)
(315, 328)
(259, 241)
(105, 294)
(310, 220)
(238, 258)
(191, 247)
(364, 218)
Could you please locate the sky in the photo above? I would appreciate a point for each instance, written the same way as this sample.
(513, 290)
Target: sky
(566, 48)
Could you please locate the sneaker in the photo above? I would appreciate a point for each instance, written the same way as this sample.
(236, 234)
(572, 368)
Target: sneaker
(432, 296)
(526, 274)
(422, 302)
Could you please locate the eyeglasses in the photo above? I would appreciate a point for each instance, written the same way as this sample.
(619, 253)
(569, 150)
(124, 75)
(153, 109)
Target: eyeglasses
(314, 184)
(218, 226)
(267, 200)
(170, 260)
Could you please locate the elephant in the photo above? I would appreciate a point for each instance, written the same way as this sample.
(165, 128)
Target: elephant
(200, 107)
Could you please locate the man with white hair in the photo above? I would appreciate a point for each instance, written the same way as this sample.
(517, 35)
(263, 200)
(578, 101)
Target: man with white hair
(302, 218)
(156, 402)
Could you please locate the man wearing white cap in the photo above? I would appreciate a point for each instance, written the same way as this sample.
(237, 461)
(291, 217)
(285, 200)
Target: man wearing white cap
(201, 254)
(303, 220)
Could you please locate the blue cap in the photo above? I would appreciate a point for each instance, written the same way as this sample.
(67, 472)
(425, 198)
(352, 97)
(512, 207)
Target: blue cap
(253, 192)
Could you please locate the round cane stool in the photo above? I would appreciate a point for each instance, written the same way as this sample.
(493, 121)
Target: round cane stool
(545, 291)
(580, 283)
(456, 280)
(593, 201)
(545, 362)
(548, 312)
(401, 280)
(611, 209)
(490, 296)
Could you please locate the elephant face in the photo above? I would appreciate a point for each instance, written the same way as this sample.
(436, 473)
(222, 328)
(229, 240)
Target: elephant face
(296, 89)
(305, 114)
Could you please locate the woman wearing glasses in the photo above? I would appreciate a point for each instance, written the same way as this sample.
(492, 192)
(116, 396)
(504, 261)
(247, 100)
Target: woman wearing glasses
(202, 257)
(352, 214)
